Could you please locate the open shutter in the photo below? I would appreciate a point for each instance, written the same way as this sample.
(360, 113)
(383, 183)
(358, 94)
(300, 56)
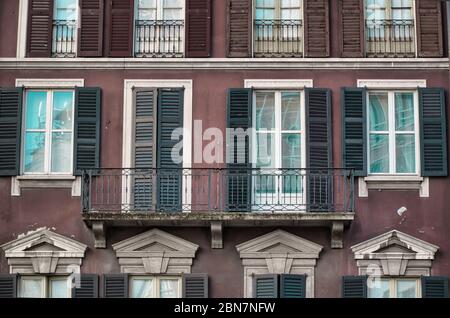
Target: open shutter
(87, 288)
(170, 117)
(90, 33)
(239, 178)
(120, 28)
(352, 27)
(198, 28)
(265, 286)
(8, 286)
(40, 24)
(195, 286)
(353, 105)
(87, 129)
(10, 130)
(239, 23)
(115, 286)
(317, 28)
(433, 132)
(319, 148)
(429, 28)
(354, 287)
(292, 286)
(434, 287)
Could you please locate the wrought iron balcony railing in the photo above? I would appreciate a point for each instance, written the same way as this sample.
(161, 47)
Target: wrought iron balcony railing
(162, 38)
(390, 38)
(278, 38)
(64, 38)
(217, 190)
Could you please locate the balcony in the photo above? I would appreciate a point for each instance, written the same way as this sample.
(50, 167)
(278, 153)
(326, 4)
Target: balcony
(278, 38)
(390, 38)
(64, 38)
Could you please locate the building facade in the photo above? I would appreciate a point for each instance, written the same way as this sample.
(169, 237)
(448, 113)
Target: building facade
(212, 148)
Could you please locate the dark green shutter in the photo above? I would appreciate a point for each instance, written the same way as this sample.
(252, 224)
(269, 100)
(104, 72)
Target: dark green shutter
(115, 286)
(433, 132)
(88, 287)
(319, 148)
(265, 286)
(8, 286)
(87, 129)
(239, 180)
(170, 117)
(292, 286)
(10, 130)
(354, 287)
(195, 286)
(434, 287)
(354, 134)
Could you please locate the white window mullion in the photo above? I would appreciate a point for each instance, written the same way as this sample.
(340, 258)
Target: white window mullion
(47, 152)
(392, 134)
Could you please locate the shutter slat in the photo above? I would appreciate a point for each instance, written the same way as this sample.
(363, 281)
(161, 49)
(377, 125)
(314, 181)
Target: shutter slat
(351, 13)
(115, 286)
(198, 28)
(434, 287)
(240, 25)
(120, 28)
(195, 286)
(354, 287)
(40, 24)
(8, 286)
(265, 286)
(292, 286)
(317, 33)
(88, 287)
(90, 33)
(429, 28)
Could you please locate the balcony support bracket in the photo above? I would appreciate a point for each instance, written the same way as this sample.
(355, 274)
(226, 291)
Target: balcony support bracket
(216, 235)
(99, 230)
(337, 234)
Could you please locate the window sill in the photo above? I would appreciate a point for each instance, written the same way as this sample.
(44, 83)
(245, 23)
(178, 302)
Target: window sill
(46, 181)
(397, 182)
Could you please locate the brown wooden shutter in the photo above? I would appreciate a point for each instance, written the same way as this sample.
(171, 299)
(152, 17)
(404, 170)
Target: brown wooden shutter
(198, 28)
(239, 23)
(120, 28)
(40, 21)
(429, 28)
(90, 33)
(352, 27)
(317, 28)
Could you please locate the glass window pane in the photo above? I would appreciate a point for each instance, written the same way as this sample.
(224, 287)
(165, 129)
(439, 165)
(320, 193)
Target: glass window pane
(142, 288)
(265, 110)
(58, 288)
(404, 111)
(379, 114)
(32, 287)
(265, 150)
(62, 110)
(290, 111)
(291, 158)
(61, 152)
(406, 288)
(379, 153)
(405, 154)
(36, 110)
(66, 9)
(34, 150)
(379, 288)
(172, 14)
(168, 288)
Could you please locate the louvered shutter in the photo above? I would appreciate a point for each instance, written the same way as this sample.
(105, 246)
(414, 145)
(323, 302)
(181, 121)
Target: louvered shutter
(115, 286)
(319, 148)
(195, 286)
(433, 132)
(239, 180)
(352, 28)
(265, 286)
(429, 28)
(40, 24)
(317, 28)
(120, 28)
(87, 288)
(10, 130)
(170, 117)
(87, 129)
(198, 28)
(354, 287)
(90, 33)
(434, 287)
(353, 105)
(239, 23)
(8, 286)
(292, 286)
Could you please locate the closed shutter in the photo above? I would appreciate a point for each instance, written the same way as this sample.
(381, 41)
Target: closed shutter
(195, 286)
(352, 28)
(433, 132)
(87, 129)
(8, 286)
(292, 286)
(87, 288)
(239, 178)
(354, 287)
(115, 286)
(429, 28)
(239, 23)
(170, 117)
(90, 33)
(317, 28)
(434, 287)
(120, 28)
(265, 286)
(353, 105)
(40, 24)
(198, 28)
(10, 130)
(319, 148)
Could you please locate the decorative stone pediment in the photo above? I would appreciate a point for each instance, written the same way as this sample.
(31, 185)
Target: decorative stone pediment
(44, 252)
(155, 252)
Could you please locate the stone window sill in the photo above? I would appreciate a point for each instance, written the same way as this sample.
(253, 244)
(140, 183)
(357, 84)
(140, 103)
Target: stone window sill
(404, 183)
(45, 181)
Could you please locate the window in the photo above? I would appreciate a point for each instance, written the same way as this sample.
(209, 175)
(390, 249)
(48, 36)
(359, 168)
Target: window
(44, 287)
(48, 132)
(393, 132)
(155, 287)
(394, 288)
(65, 18)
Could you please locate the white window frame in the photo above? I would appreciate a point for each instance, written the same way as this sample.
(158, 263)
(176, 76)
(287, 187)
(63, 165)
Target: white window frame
(156, 284)
(45, 284)
(77, 25)
(393, 285)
